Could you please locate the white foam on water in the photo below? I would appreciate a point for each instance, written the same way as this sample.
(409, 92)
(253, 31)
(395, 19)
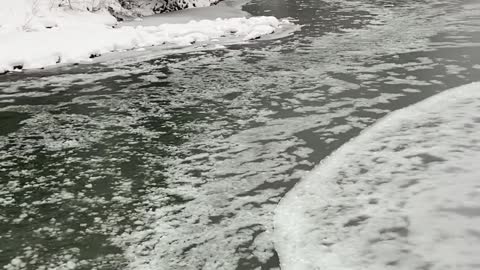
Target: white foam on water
(402, 195)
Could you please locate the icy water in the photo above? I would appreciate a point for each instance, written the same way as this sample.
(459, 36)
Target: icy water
(178, 162)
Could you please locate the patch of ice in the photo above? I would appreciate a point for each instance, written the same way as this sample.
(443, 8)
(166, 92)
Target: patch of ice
(402, 195)
(411, 90)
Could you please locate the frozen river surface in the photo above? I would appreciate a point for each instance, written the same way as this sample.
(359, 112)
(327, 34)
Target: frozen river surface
(404, 194)
(179, 161)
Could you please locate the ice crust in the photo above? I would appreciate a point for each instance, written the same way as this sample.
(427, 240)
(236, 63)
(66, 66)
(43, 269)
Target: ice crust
(402, 195)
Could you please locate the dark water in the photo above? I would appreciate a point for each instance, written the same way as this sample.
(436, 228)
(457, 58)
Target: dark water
(178, 162)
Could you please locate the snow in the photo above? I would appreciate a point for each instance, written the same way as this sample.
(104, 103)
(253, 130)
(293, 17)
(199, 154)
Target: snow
(402, 195)
(36, 15)
(41, 36)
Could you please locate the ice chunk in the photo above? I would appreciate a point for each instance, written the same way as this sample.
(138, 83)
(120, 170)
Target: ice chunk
(405, 194)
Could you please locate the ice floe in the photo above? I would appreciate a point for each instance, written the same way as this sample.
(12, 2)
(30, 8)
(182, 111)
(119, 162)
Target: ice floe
(402, 195)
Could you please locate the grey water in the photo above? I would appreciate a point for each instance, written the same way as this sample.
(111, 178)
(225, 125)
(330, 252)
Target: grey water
(178, 162)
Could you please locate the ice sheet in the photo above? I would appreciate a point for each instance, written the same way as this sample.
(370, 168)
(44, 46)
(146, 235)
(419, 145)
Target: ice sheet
(403, 195)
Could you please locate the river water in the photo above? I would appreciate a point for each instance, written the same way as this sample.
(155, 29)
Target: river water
(178, 161)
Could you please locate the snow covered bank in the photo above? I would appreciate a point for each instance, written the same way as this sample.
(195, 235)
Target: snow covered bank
(403, 195)
(36, 15)
(48, 36)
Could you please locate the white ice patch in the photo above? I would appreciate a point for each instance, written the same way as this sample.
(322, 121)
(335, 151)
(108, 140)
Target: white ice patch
(403, 195)
(38, 40)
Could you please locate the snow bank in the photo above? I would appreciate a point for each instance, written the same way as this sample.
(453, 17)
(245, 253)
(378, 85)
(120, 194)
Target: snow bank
(36, 15)
(52, 36)
(402, 195)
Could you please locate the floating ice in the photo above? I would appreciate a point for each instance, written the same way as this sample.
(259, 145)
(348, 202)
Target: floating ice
(403, 195)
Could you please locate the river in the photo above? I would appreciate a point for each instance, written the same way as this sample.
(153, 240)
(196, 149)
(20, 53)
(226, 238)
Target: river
(178, 161)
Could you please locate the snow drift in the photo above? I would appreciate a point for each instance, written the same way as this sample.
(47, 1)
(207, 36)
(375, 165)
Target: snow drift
(402, 195)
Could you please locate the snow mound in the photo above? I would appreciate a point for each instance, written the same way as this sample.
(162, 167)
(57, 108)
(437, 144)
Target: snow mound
(405, 194)
(50, 36)
(36, 15)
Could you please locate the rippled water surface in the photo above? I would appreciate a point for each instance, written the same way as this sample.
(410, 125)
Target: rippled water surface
(178, 162)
